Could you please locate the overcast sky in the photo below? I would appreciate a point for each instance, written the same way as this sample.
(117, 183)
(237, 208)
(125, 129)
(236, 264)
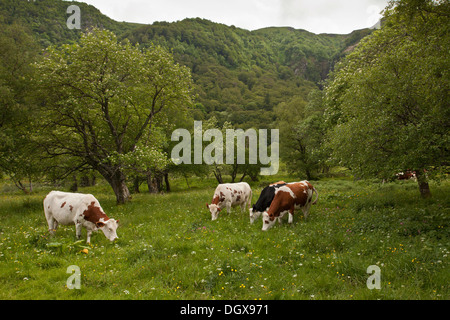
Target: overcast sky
(318, 16)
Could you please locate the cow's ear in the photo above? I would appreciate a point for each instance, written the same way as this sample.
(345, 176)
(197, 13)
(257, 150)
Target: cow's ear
(207, 205)
(117, 221)
(99, 224)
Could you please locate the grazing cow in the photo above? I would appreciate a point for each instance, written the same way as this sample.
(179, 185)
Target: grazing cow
(406, 175)
(230, 195)
(83, 210)
(264, 200)
(288, 198)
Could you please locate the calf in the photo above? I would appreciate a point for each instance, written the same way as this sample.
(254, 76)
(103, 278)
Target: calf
(230, 195)
(83, 210)
(288, 198)
(264, 200)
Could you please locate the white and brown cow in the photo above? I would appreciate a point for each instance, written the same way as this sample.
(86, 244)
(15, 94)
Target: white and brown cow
(264, 200)
(288, 198)
(82, 210)
(230, 195)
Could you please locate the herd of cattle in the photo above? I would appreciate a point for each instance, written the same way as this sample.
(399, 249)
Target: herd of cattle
(275, 200)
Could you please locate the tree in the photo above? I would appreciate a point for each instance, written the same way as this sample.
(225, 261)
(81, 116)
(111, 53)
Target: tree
(101, 98)
(387, 102)
(302, 128)
(17, 158)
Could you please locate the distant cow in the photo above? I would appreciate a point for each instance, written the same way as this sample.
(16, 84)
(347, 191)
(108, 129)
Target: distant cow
(264, 200)
(288, 198)
(406, 175)
(82, 210)
(230, 195)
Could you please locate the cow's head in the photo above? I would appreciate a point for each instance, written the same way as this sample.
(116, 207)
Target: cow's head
(109, 228)
(254, 214)
(268, 221)
(214, 209)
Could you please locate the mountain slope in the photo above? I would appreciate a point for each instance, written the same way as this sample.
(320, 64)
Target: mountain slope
(47, 19)
(240, 75)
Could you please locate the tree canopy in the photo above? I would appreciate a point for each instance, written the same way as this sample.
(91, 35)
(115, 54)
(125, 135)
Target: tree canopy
(388, 101)
(101, 100)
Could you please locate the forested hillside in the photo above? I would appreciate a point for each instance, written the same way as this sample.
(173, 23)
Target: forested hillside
(46, 19)
(240, 76)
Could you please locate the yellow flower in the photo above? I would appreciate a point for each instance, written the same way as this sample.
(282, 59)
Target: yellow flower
(85, 251)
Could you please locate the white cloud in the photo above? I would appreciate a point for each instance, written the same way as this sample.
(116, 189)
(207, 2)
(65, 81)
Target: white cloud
(318, 16)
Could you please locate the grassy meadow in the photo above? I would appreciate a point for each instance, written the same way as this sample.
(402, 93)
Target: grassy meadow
(168, 247)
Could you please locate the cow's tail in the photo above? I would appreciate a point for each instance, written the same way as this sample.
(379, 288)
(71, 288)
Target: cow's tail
(317, 196)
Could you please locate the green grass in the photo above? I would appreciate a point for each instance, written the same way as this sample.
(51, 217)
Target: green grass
(168, 247)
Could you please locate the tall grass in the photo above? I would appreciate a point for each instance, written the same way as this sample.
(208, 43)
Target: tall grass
(168, 247)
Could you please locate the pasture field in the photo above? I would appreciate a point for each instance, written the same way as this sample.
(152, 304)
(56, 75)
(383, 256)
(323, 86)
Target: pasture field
(168, 247)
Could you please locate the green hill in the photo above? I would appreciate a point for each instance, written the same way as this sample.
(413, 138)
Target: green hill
(240, 75)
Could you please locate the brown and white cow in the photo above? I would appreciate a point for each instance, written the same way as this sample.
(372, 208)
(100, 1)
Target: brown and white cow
(264, 200)
(288, 198)
(230, 195)
(406, 175)
(83, 210)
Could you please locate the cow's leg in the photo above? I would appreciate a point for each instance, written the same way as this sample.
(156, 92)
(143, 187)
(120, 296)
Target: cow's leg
(50, 221)
(50, 226)
(291, 216)
(228, 204)
(89, 232)
(282, 214)
(305, 210)
(78, 228)
(55, 225)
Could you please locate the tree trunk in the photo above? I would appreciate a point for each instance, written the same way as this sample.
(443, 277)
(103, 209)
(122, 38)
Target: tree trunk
(218, 175)
(136, 184)
(186, 178)
(422, 181)
(121, 191)
(234, 172)
(84, 181)
(308, 174)
(19, 185)
(151, 183)
(166, 180)
(74, 186)
(117, 180)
